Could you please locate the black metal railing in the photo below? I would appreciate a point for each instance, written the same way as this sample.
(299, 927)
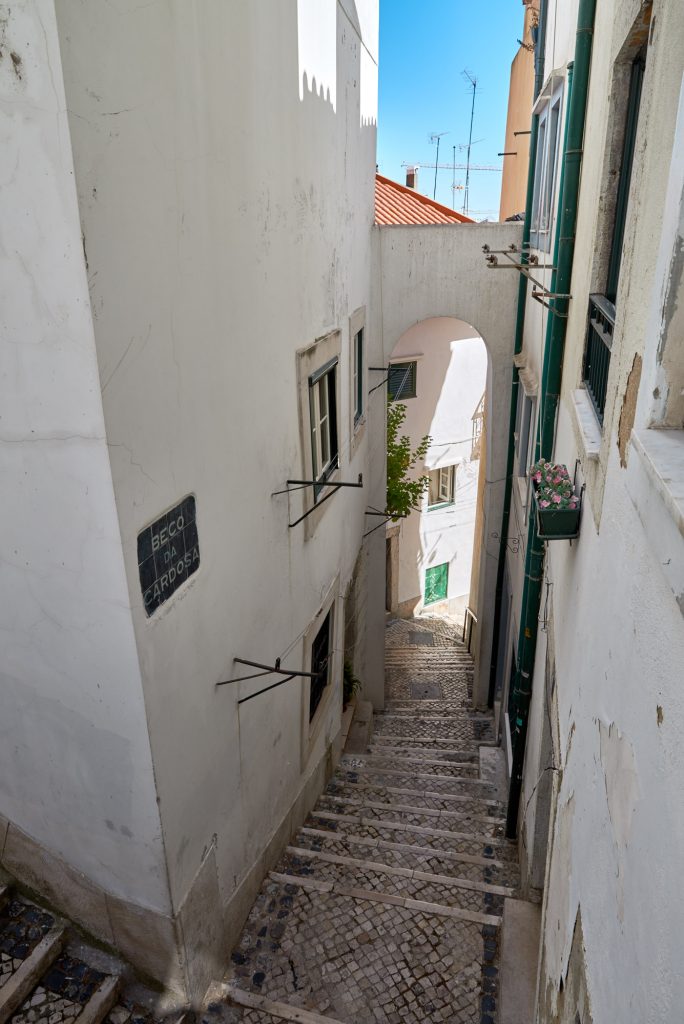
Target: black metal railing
(599, 343)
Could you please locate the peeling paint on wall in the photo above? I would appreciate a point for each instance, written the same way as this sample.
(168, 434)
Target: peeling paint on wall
(628, 411)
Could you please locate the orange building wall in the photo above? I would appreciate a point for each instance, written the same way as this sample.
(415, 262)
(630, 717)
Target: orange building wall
(514, 178)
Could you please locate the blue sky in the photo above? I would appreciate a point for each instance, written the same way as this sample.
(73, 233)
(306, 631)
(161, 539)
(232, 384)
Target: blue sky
(424, 47)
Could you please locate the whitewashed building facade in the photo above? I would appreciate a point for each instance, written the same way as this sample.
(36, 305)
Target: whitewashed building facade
(186, 269)
(588, 659)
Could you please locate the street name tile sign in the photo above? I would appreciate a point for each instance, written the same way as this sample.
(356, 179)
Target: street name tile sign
(168, 553)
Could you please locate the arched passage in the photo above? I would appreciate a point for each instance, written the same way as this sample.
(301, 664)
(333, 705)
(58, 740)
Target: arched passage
(421, 272)
(431, 552)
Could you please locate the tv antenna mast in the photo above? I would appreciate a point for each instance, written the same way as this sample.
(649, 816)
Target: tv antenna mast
(473, 84)
(435, 137)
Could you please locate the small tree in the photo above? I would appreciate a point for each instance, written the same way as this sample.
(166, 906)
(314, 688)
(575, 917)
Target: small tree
(403, 494)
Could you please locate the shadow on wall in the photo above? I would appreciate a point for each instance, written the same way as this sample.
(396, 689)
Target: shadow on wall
(435, 545)
(214, 200)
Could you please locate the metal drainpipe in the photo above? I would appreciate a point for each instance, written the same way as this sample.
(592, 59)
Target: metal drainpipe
(539, 57)
(550, 392)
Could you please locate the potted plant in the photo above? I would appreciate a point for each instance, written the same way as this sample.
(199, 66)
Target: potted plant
(351, 686)
(558, 507)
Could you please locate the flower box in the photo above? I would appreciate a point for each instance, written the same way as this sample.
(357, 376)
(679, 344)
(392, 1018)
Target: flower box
(558, 508)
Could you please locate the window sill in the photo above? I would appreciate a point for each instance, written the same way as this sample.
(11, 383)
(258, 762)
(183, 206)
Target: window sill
(442, 505)
(589, 429)
(655, 483)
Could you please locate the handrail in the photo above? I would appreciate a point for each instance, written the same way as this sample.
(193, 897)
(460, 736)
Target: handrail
(469, 617)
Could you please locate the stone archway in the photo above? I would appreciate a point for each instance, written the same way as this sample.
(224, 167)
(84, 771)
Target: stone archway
(426, 271)
(435, 544)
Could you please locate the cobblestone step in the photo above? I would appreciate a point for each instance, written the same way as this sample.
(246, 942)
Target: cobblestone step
(358, 874)
(409, 855)
(440, 840)
(412, 815)
(463, 803)
(386, 745)
(373, 961)
(398, 823)
(399, 762)
(16, 993)
(437, 781)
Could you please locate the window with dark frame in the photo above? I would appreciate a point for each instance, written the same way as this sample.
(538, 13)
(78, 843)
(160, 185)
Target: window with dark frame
(320, 664)
(601, 315)
(323, 408)
(358, 376)
(401, 382)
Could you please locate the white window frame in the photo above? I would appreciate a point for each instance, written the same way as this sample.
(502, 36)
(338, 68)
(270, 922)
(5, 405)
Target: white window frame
(525, 431)
(445, 480)
(546, 170)
(324, 432)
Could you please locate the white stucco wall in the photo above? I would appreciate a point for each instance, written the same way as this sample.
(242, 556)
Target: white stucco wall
(451, 376)
(226, 210)
(616, 710)
(440, 271)
(75, 763)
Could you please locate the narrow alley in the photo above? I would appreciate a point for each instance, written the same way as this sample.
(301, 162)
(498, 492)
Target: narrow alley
(387, 904)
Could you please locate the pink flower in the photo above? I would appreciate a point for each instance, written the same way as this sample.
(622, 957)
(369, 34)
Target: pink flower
(544, 504)
(556, 498)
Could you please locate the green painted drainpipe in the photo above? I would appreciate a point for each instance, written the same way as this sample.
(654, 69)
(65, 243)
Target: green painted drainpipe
(519, 327)
(550, 392)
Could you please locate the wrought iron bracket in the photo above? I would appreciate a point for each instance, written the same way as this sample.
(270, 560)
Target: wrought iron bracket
(303, 484)
(267, 671)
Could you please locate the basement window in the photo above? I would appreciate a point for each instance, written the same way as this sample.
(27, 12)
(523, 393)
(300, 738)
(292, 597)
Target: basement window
(320, 664)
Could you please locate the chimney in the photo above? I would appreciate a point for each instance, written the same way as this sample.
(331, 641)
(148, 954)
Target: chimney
(412, 177)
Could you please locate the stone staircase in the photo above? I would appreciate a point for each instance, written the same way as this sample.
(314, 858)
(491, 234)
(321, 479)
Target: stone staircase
(387, 905)
(47, 975)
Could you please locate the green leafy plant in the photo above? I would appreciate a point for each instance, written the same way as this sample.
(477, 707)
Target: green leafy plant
(403, 493)
(351, 685)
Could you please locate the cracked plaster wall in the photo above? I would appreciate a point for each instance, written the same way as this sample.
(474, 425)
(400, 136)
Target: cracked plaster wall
(616, 827)
(75, 762)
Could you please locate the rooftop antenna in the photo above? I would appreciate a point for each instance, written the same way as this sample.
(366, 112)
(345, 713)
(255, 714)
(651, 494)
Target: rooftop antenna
(473, 84)
(453, 182)
(435, 137)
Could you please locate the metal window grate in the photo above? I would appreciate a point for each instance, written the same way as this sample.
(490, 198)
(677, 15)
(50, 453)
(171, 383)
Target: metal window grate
(320, 664)
(600, 326)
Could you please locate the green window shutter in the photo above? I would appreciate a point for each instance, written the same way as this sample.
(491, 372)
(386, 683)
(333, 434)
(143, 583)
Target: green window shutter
(436, 583)
(401, 382)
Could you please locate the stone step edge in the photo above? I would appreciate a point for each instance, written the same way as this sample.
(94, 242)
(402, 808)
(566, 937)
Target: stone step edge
(386, 747)
(414, 874)
(418, 830)
(19, 985)
(429, 812)
(457, 780)
(430, 794)
(420, 851)
(465, 716)
(461, 765)
(406, 902)
(101, 1001)
(254, 1001)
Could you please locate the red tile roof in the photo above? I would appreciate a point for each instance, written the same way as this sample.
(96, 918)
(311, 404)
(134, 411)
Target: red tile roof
(396, 204)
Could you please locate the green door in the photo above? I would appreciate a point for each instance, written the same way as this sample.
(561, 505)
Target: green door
(436, 583)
